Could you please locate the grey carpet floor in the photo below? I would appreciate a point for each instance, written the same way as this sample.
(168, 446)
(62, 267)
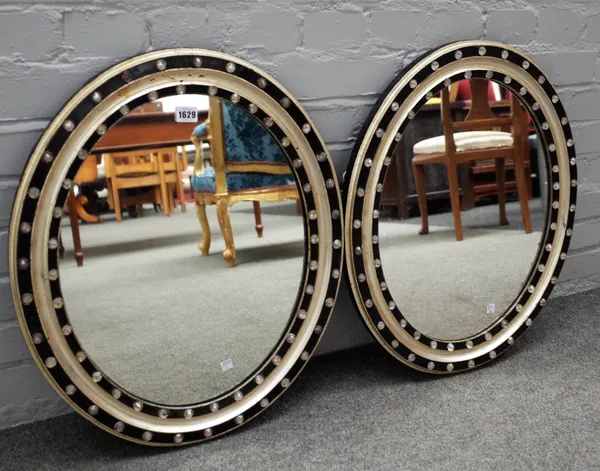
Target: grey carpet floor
(149, 309)
(536, 408)
(449, 289)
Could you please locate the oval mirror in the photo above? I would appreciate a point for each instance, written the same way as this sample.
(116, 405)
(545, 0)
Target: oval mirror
(460, 206)
(176, 246)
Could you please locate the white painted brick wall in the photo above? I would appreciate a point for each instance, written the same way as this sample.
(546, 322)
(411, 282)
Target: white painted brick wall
(335, 56)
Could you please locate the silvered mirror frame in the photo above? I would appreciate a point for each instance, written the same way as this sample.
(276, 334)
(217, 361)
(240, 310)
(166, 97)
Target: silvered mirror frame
(364, 180)
(35, 224)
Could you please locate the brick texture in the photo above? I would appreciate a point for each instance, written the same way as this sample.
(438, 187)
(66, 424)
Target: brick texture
(335, 56)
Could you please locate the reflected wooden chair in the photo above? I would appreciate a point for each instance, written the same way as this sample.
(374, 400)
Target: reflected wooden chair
(158, 169)
(246, 165)
(480, 143)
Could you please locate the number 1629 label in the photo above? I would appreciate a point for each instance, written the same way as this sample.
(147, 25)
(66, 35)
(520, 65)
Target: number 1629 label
(186, 114)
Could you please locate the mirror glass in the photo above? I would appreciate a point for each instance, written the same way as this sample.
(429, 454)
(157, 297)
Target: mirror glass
(454, 273)
(183, 249)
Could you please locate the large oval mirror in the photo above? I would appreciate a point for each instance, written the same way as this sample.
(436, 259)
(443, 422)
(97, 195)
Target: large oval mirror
(176, 246)
(460, 206)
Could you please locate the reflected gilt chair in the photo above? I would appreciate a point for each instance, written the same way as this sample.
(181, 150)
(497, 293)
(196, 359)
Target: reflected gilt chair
(478, 142)
(246, 165)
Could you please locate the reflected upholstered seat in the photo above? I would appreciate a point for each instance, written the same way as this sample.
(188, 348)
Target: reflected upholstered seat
(246, 165)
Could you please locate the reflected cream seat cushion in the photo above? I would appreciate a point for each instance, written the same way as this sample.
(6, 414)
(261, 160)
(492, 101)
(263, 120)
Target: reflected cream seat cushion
(464, 141)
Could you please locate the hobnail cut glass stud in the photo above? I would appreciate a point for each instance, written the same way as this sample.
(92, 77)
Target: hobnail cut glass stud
(25, 227)
(362, 278)
(398, 137)
(360, 192)
(555, 204)
(306, 128)
(555, 169)
(468, 74)
(542, 302)
(412, 357)
(238, 396)
(285, 382)
(53, 243)
(102, 130)
(124, 110)
(469, 344)
(290, 338)
(81, 356)
(504, 54)
(507, 79)
(67, 184)
(458, 55)
(395, 106)
(269, 123)
(392, 305)
(23, 264)
(67, 330)
(68, 125)
(96, 376)
(504, 323)
(489, 74)
(301, 314)
(58, 212)
(180, 89)
(450, 347)
(387, 161)
(523, 91)
(564, 121)
(417, 335)
(58, 303)
(553, 226)
(551, 147)
(214, 407)
(554, 99)
(487, 336)
(310, 289)
(541, 79)
(312, 215)
(33, 193)
(435, 66)
(235, 98)
(449, 367)
(147, 436)
(358, 250)
(207, 433)
(572, 208)
(411, 114)
(493, 354)
(429, 95)
(548, 247)
(525, 65)
(535, 106)
(335, 214)
(116, 393)
(375, 214)
(510, 340)
(379, 133)
(285, 142)
(27, 299)
(252, 108)
(563, 256)
(321, 156)
(329, 302)
(307, 188)
(314, 239)
(305, 356)
(383, 285)
(163, 413)
(335, 273)
(261, 82)
(47, 157)
(573, 183)
(259, 379)
(161, 64)
(153, 95)
(395, 343)
(239, 419)
(482, 51)
(573, 161)
(528, 322)
(433, 344)
(531, 289)
(377, 263)
(230, 67)
(93, 410)
(430, 365)
(375, 239)
(471, 364)
(412, 83)
(96, 97)
(545, 126)
(356, 224)
(264, 403)
(556, 186)
(70, 389)
(212, 90)
(369, 303)
(381, 325)
(368, 162)
(296, 163)
(337, 243)
(318, 330)
(50, 362)
(276, 360)
(178, 438)
(569, 232)
(519, 307)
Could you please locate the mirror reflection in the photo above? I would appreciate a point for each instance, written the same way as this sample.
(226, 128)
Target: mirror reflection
(164, 320)
(463, 209)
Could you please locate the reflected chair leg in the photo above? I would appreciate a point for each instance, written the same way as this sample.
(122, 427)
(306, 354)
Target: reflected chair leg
(455, 199)
(181, 195)
(72, 205)
(501, 179)
(522, 191)
(141, 210)
(116, 202)
(225, 223)
(204, 246)
(419, 174)
(61, 247)
(258, 218)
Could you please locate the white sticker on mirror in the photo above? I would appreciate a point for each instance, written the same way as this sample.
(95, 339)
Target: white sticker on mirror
(186, 114)
(227, 364)
(491, 308)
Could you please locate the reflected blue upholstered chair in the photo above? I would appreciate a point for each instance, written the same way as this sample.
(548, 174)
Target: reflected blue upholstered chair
(246, 165)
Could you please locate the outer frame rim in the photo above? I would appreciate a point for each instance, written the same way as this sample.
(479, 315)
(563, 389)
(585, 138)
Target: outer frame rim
(402, 347)
(308, 145)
